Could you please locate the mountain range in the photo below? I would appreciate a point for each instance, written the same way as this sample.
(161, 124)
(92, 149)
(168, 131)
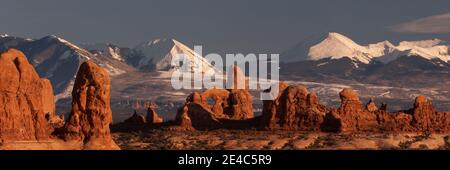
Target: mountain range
(337, 58)
(58, 59)
(143, 72)
(336, 46)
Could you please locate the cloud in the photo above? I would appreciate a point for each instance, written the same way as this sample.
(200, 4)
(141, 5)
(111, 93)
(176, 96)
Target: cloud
(432, 24)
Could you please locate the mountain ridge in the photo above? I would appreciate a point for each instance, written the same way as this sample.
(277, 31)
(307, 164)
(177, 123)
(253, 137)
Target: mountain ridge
(337, 46)
(58, 59)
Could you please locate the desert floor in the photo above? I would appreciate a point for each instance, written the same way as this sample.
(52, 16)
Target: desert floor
(284, 140)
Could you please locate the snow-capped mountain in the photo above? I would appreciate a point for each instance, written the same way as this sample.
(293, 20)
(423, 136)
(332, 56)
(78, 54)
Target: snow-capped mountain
(106, 49)
(338, 59)
(7, 41)
(331, 58)
(155, 55)
(158, 55)
(58, 60)
(336, 46)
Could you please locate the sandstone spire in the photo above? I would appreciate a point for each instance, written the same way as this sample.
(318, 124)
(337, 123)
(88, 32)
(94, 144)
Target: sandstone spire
(91, 113)
(152, 116)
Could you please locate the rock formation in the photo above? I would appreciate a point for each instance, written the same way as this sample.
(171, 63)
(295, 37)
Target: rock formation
(91, 113)
(152, 116)
(24, 100)
(213, 105)
(48, 102)
(240, 104)
(183, 120)
(426, 118)
(48, 99)
(135, 120)
(351, 115)
(239, 101)
(371, 106)
(195, 115)
(207, 109)
(294, 109)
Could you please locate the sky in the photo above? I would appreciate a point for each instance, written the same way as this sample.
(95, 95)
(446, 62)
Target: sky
(226, 26)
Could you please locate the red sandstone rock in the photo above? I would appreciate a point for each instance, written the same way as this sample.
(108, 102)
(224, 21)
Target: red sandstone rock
(294, 109)
(152, 116)
(205, 110)
(48, 98)
(351, 116)
(48, 102)
(426, 118)
(238, 79)
(421, 118)
(195, 115)
(216, 100)
(241, 105)
(91, 113)
(393, 122)
(183, 120)
(271, 108)
(135, 119)
(235, 103)
(24, 100)
(371, 106)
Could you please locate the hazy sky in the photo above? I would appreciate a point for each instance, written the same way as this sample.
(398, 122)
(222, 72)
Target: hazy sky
(223, 26)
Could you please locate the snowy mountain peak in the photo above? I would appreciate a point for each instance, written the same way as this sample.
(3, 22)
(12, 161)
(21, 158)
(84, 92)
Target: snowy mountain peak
(158, 55)
(339, 38)
(384, 43)
(336, 46)
(54, 38)
(51, 38)
(156, 41)
(423, 43)
(107, 49)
